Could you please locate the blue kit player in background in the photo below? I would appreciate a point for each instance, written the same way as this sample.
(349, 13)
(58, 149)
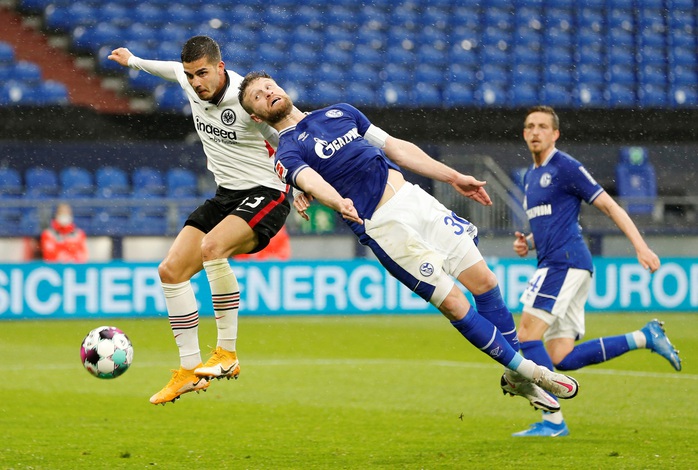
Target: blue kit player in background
(553, 304)
(338, 157)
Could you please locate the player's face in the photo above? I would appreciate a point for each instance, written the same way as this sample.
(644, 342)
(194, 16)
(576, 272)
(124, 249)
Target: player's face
(539, 133)
(268, 101)
(205, 78)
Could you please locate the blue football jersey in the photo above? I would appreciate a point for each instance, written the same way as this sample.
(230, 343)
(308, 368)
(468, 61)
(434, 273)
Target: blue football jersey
(331, 142)
(553, 196)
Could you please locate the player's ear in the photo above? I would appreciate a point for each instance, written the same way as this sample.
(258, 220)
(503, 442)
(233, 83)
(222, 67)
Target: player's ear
(256, 118)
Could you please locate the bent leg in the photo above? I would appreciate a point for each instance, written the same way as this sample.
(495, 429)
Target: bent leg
(231, 236)
(482, 283)
(481, 333)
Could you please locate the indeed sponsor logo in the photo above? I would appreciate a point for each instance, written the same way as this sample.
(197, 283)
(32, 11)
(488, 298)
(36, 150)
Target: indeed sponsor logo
(213, 131)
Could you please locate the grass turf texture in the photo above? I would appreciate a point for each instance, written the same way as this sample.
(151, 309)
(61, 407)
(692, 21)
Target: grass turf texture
(333, 393)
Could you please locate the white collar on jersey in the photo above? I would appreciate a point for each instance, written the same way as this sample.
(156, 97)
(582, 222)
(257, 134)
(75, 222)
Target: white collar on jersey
(553, 151)
(216, 100)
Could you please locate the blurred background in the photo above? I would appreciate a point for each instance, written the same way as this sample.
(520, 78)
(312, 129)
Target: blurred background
(454, 76)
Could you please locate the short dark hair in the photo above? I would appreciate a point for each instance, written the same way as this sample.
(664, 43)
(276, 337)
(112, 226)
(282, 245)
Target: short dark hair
(547, 110)
(249, 78)
(201, 46)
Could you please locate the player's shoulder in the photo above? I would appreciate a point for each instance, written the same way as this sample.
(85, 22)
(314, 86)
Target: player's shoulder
(291, 136)
(235, 78)
(334, 108)
(564, 159)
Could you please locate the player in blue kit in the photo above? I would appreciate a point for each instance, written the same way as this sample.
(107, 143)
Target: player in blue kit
(338, 157)
(555, 186)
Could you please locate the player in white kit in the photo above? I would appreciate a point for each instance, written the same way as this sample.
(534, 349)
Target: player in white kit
(249, 208)
(338, 157)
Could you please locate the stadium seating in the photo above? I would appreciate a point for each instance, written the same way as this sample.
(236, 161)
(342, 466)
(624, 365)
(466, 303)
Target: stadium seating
(636, 178)
(21, 83)
(11, 188)
(147, 181)
(111, 182)
(10, 183)
(76, 182)
(142, 222)
(171, 98)
(41, 183)
(611, 40)
(180, 183)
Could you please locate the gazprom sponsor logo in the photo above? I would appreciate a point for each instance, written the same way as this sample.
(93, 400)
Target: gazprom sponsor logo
(324, 149)
(533, 212)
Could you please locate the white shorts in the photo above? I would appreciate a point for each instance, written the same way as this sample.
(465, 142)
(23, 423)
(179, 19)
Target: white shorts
(557, 296)
(421, 243)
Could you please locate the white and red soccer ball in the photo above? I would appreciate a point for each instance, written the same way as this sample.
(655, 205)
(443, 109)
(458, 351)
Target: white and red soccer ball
(106, 352)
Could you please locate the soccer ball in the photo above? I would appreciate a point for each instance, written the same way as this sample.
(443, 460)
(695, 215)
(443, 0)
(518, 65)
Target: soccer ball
(106, 352)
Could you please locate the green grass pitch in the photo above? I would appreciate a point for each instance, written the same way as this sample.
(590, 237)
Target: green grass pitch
(384, 392)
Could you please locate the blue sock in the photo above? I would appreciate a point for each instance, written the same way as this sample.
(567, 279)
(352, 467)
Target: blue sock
(491, 306)
(485, 336)
(595, 351)
(535, 351)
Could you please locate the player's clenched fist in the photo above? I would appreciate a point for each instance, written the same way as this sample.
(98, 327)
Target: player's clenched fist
(120, 56)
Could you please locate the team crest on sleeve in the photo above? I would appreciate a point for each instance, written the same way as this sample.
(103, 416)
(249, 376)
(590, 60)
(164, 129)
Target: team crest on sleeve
(228, 117)
(334, 113)
(545, 180)
(426, 269)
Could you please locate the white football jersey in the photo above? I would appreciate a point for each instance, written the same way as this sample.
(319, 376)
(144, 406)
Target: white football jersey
(234, 144)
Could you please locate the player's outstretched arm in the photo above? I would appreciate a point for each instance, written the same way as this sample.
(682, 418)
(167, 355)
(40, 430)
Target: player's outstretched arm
(315, 185)
(161, 68)
(470, 187)
(409, 156)
(647, 258)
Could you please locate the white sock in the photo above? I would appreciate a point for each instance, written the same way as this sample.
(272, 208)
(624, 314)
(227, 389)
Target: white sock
(225, 294)
(527, 368)
(183, 314)
(640, 339)
(555, 418)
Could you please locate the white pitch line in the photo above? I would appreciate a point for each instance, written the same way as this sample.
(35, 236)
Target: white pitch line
(378, 362)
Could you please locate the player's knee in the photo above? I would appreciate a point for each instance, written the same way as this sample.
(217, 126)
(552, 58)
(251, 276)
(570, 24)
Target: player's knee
(559, 361)
(527, 333)
(167, 273)
(489, 281)
(454, 306)
(211, 249)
